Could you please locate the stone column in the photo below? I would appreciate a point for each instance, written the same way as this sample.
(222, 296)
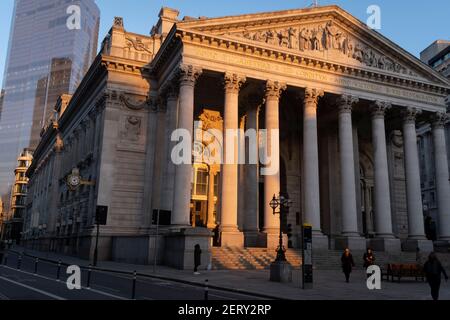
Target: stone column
(211, 221)
(350, 233)
(251, 205)
(272, 169)
(231, 236)
(385, 240)
(442, 176)
(416, 237)
(171, 124)
(183, 172)
(311, 167)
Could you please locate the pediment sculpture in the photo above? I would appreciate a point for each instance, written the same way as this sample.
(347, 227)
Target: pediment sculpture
(324, 37)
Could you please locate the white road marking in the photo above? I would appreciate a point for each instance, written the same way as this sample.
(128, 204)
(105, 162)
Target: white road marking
(50, 279)
(45, 293)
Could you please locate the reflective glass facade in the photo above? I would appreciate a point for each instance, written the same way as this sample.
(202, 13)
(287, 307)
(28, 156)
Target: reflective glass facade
(45, 59)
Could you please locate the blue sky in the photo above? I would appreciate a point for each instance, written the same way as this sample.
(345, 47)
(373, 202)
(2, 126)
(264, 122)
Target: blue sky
(411, 24)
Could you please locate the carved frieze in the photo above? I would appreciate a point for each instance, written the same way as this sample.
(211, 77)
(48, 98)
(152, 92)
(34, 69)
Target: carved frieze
(326, 37)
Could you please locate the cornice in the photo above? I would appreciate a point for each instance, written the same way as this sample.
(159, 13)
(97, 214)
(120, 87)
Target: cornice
(289, 56)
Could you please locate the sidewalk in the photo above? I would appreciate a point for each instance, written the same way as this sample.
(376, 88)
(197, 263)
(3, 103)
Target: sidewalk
(328, 285)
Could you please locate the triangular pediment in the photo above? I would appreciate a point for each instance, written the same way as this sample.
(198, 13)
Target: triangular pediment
(325, 33)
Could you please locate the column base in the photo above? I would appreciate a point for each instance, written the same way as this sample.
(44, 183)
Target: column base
(231, 238)
(320, 241)
(386, 244)
(252, 239)
(411, 245)
(354, 243)
(442, 246)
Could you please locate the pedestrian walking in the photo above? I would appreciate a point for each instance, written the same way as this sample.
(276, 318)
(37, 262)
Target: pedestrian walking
(369, 258)
(347, 264)
(433, 270)
(197, 258)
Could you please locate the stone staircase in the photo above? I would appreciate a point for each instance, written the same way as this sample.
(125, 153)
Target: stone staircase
(260, 258)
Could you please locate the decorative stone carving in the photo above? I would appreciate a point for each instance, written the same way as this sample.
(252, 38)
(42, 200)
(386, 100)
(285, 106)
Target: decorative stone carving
(132, 128)
(346, 103)
(439, 120)
(324, 37)
(137, 44)
(274, 89)
(188, 74)
(118, 22)
(397, 138)
(312, 96)
(133, 104)
(233, 82)
(379, 108)
(211, 120)
(410, 114)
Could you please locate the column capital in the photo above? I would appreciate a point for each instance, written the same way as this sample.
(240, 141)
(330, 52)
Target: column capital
(410, 115)
(188, 74)
(233, 82)
(439, 119)
(312, 96)
(346, 102)
(274, 89)
(379, 109)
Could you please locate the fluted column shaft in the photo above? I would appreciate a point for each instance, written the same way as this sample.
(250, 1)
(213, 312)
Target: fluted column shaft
(442, 175)
(229, 190)
(183, 172)
(272, 181)
(311, 159)
(383, 219)
(347, 161)
(412, 171)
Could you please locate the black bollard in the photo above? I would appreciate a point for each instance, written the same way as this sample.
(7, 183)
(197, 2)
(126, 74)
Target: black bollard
(89, 277)
(133, 292)
(206, 290)
(58, 271)
(19, 262)
(36, 265)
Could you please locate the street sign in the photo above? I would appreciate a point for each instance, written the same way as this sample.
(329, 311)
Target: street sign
(307, 269)
(101, 215)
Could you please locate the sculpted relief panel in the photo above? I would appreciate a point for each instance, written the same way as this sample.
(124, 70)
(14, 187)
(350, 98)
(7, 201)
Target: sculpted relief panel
(325, 38)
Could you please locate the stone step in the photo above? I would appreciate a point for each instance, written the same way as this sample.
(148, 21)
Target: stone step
(261, 258)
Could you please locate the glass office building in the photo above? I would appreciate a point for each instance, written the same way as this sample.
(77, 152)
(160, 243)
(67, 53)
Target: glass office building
(49, 52)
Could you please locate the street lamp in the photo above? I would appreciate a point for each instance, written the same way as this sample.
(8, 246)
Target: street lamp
(280, 202)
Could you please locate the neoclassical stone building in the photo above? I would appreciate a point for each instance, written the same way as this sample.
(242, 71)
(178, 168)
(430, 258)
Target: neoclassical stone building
(344, 98)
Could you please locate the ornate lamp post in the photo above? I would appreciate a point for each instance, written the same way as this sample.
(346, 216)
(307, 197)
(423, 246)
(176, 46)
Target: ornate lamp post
(280, 269)
(280, 202)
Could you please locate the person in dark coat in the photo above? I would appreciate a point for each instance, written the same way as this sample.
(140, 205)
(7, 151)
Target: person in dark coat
(197, 258)
(347, 264)
(433, 270)
(369, 258)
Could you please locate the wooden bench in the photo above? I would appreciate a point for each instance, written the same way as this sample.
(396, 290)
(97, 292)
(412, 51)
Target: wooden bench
(400, 271)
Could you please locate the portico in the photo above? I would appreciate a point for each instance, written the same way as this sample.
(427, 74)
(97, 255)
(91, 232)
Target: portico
(334, 108)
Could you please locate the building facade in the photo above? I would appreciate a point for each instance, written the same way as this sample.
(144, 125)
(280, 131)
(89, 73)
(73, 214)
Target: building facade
(334, 105)
(437, 56)
(13, 219)
(39, 68)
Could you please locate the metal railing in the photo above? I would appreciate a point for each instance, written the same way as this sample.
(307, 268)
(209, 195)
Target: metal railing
(133, 276)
